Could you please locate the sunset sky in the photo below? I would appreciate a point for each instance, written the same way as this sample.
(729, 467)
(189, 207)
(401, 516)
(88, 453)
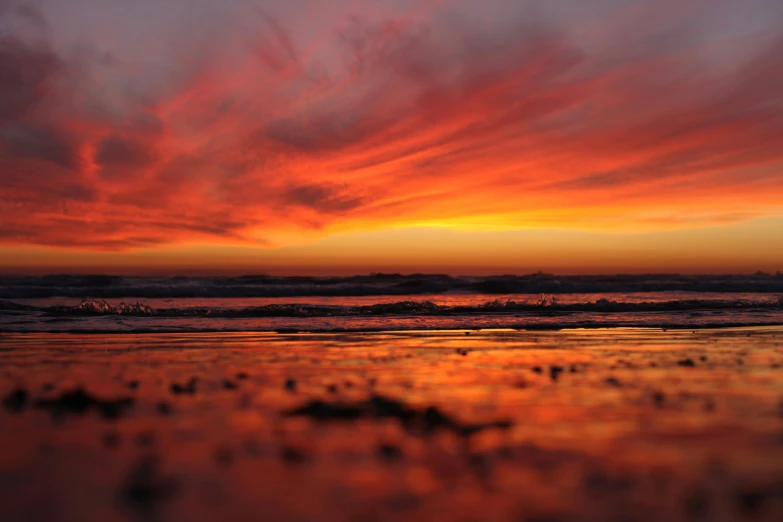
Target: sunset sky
(311, 136)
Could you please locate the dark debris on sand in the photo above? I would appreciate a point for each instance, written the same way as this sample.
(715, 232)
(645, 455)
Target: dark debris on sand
(164, 408)
(16, 400)
(290, 385)
(145, 487)
(293, 455)
(423, 421)
(687, 363)
(751, 501)
(188, 388)
(389, 451)
(78, 401)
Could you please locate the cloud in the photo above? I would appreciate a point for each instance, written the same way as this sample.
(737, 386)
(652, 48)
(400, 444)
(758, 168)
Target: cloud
(119, 151)
(27, 77)
(49, 144)
(323, 198)
(254, 124)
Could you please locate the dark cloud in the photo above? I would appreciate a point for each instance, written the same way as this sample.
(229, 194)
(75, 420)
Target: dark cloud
(327, 199)
(27, 77)
(123, 152)
(40, 142)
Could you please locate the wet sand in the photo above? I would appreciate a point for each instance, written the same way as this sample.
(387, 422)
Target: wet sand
(604, 425)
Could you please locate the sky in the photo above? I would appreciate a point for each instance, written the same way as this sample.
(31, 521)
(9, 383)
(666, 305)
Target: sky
(303, 136)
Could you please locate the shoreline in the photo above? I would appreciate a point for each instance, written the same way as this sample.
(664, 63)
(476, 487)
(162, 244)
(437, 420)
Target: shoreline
(470, 330)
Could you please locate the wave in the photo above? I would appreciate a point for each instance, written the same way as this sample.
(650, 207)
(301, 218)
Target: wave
(110, 287)
(463, 327)
(545, 305)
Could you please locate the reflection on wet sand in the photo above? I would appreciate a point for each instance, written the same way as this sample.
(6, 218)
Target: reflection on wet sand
(623, 424)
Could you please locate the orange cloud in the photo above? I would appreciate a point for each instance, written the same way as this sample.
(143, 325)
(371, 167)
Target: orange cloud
(412, 117)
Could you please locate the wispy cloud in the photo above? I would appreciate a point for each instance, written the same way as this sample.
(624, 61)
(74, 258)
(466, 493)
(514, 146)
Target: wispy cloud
(242, 121)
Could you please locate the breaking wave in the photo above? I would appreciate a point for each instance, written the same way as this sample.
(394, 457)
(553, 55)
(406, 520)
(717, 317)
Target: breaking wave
(544, 305)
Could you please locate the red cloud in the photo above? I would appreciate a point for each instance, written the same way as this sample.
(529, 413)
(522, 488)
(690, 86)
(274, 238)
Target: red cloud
(416, 118)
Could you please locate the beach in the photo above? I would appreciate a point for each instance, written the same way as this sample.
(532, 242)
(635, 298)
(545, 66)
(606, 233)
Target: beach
(394, 260)
(465, 425)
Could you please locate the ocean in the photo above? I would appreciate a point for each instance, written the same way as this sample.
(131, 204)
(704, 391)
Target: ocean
(377, 302)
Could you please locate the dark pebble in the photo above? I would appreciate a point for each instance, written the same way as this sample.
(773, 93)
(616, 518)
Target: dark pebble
(331, 388)
(133, 385)
(659, 398)
(185, 389)
(290, 385)
(688, 363)
(78, 401)
(145, 487)
(703, 358)
(423, 422)
(573, 369)
(389, 451)
(292, 455)
(613, 381)
(750, 501)
(228, 385)
(538, 370)
(554, 372)
(241, 376)
(16, 401)
(113, 409)
(481, 466)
